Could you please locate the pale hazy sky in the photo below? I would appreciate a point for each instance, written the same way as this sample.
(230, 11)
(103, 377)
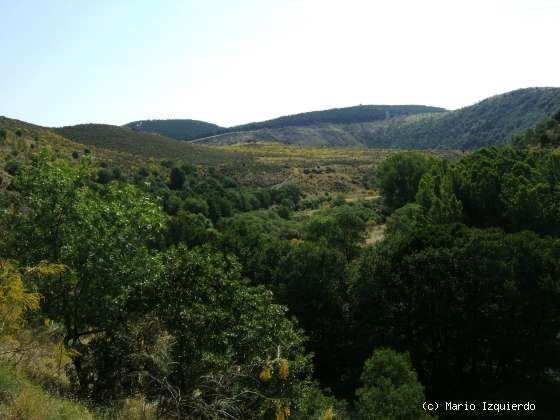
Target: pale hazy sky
(236, 61)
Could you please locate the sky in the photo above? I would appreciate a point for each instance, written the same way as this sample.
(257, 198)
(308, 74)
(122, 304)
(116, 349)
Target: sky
(229, 62)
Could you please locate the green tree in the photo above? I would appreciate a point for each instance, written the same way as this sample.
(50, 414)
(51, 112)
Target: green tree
(15, 300)
(390, 388)
(399, 176)
(12, 166)
(436, 194)
(191, 229)
(222, 325)
(100, 235)
(312, 280)
(176, 179)
(104, 176)
(345, 229)
(405, 219)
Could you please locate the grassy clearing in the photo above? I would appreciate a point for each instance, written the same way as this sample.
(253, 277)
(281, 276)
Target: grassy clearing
(375, 233)
(316, 170)
(21, 399)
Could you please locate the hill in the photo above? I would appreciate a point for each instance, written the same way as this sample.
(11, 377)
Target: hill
(147, 145)
(180, 129)
(353, 114)
(19, 140)
(493, 121)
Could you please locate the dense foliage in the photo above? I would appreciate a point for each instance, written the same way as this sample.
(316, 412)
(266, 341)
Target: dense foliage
(467, 280)
(399, 176)
(136, 311)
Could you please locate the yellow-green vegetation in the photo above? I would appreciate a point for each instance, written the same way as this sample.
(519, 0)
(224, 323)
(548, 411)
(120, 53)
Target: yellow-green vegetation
(21, 350)
(316, 170)
(34, 383)
(23, 399)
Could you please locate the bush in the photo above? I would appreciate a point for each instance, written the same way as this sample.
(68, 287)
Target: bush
(117, 174)
(12, 167)
(196, 205)
(104, 176)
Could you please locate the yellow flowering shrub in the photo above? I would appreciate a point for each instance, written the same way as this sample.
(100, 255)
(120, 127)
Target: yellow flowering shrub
(329, 414)
(14, 299)
(283, 368)
(266, 374)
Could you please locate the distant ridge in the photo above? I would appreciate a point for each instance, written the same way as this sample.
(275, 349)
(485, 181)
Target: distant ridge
(353, 114)
(492, 121)
(180, 129)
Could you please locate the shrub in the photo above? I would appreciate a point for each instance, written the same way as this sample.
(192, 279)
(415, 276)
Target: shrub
(12, 166)
(104, 176)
